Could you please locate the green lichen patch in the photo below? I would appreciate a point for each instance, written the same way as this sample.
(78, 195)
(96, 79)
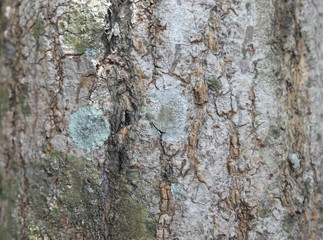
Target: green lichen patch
(82, 26)
(129, 218)
(35, 233)
(22, 96)
(264, 212)
(3, 23)
(4, 102)
(65, 194)
(289, 222)
(319, 187)
(8, 192)
(87, 128)
(319, 207)
(274, 131)
(214, 83)
(38, 28)
(307, 188)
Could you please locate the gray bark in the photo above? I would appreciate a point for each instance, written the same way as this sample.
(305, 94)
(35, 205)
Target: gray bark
(137, 119)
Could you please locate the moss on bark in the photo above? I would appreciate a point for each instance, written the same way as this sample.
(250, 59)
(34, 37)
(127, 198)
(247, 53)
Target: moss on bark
(129, 218)
(8, 192)
(65, 196)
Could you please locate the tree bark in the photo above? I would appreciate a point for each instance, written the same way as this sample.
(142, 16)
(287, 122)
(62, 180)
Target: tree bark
(146, 119)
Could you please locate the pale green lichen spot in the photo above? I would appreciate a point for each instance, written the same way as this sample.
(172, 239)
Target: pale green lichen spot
(87, 128)
(38, 28)
(169, 112)
(294, 160)
(176, 191)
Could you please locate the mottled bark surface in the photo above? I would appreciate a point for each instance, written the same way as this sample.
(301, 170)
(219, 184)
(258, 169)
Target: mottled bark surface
(166, 119)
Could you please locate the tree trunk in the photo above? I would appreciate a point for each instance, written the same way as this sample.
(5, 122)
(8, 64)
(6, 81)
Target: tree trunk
(146, 119)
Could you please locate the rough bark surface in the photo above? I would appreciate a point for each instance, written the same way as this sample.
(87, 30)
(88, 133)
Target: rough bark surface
(161, 119)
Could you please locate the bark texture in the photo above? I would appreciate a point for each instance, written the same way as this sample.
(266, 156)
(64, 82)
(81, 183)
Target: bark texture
(161, 119)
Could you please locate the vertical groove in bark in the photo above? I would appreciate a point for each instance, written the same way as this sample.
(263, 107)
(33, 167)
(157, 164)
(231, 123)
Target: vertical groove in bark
(127, 214)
